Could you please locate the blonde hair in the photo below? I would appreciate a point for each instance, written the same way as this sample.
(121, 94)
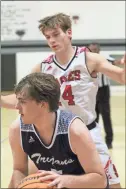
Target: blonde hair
(51, 22)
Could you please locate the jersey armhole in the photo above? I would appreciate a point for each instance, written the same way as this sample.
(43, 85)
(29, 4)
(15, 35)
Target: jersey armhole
(95, 77)
(69, 132)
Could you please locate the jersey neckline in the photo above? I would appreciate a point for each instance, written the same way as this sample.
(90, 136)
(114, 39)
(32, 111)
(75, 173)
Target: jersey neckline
(54, 132)
(69, 63)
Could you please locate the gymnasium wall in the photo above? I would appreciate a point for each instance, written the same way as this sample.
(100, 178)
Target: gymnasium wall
(103, 22)
(98, 19)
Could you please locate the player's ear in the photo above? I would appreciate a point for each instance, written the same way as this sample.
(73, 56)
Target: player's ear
(69, 33)
(43, 104)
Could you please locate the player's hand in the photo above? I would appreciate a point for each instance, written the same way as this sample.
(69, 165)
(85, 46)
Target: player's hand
(123, 59)
(120, 61)
(57, 180)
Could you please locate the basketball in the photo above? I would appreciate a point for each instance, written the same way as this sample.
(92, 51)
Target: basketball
(32, 181)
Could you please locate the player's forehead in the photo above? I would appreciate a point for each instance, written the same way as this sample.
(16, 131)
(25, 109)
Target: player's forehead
(23, 95)
(51, 31)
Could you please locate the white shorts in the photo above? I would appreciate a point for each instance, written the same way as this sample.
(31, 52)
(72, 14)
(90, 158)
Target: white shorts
(109, 167)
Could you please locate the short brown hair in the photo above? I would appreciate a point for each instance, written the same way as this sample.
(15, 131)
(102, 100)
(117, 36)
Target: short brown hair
(51, 22)
(40, 87)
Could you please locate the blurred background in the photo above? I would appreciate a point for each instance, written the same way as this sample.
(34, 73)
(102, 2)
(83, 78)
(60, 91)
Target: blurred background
(23, 46)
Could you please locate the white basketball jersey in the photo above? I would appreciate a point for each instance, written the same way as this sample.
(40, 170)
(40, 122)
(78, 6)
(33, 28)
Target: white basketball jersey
(78, 88)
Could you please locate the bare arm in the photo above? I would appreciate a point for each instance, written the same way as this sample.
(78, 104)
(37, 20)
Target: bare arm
(120, 61)
(97, 63)
(83, 146)
(9, 101)
(116, 62)
(20, 160)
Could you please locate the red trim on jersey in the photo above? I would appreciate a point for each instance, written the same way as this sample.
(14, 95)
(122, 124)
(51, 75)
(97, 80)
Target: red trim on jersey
(48, 60)
(80, 50)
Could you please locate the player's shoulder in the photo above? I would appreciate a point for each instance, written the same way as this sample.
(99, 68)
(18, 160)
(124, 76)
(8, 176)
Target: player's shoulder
(36, 68)
(14, 128)
(15, 125)
(68, 117)
(66, 114)
(48, 59)
(81, 49)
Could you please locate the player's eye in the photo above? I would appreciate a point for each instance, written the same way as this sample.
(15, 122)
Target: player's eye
(22, 101)
(56, 34)
(47, 37)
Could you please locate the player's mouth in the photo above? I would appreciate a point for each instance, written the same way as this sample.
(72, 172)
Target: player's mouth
(54, 46)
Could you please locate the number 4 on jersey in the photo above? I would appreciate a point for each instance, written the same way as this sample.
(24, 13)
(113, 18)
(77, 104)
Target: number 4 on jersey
(67, 95)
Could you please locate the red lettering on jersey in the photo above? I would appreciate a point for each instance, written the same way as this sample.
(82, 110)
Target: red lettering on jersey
(67, 95)
(71, 76)
(77, 74)
(63, 79)
(74, 75)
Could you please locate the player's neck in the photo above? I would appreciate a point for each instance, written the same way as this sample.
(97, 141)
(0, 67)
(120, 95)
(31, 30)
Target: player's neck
(46, 126)
(46, 122)
(65, 56)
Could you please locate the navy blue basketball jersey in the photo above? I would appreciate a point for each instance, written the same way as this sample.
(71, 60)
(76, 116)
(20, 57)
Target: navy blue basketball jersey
(57, 156)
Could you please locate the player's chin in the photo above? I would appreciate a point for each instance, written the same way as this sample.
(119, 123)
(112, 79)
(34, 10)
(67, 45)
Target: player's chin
(57, 50)
(25, 121)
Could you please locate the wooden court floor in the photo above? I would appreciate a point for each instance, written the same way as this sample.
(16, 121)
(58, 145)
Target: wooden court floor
(118, 152)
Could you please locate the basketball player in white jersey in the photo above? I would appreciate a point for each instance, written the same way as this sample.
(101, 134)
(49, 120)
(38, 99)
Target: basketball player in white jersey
(76, 71)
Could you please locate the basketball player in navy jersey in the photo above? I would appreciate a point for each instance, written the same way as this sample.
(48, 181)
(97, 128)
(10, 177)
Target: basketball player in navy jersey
(54, 139)
(76, 71)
